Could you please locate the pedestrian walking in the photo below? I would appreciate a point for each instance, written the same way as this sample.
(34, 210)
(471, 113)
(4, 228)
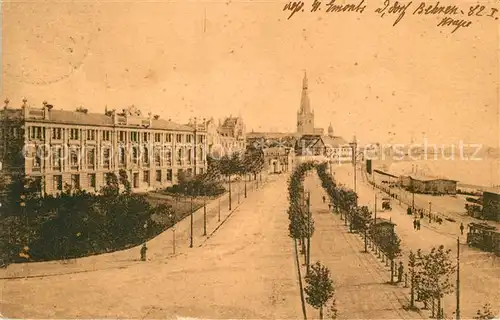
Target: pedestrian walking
(461, 228)
(418, 224)
(421, 214)
(400, 271)
(414, 224)
(143, 252)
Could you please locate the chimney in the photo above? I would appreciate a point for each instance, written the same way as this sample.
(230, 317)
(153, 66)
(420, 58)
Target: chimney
(25, 108)
(114, 116)
(46, 109)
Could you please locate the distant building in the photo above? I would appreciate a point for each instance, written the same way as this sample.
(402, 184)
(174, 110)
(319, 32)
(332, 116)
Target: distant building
(429, 185)
(318, 148)
(226, 137)
(79, 149)
(278, 159)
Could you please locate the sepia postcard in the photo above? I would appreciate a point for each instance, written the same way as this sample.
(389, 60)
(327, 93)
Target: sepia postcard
(249, 159)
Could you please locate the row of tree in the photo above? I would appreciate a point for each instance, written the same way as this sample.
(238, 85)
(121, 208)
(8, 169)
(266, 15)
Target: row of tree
(431, 273)
(319, 288)
(360, 218)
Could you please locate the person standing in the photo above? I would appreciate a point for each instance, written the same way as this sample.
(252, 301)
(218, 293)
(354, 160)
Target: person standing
(414, 224)
(324, 199)
(143, 252)
(400, 271)
(461, 228)
(418, 224)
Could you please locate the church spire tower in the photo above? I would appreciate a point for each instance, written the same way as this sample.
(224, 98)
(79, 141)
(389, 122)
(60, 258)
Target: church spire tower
(305, 117)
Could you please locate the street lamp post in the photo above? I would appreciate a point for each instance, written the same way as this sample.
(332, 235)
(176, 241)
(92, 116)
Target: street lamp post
(308, 230)
(457, 312)
(204, 216)
(191, 228)
(219, 209)
(172, 216)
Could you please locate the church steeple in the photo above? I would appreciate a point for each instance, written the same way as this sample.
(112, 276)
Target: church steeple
(305, 117)
(305, 104)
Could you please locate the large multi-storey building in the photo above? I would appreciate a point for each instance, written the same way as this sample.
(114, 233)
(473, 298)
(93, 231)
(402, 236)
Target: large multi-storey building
(79, 149)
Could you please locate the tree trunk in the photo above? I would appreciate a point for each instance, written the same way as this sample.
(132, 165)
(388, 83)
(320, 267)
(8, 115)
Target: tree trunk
(366, 243)
(412, 290)
(392, 270)
(229, 193)
(321, 313)
(304, 249)
(439, 315)
(308, 253)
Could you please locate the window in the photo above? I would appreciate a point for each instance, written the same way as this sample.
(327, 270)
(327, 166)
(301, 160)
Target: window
(179, 156)
(75, 181)
(135, 155)
(146, 176)
(92, 180)
(190, 155)
(90, 134)
(157, 137)
(57, 133)
(202, 170)
(178, 138)
(57, 183)
(158, 175)
(134, 136)
(56, 157)
(188, 138)
(145, 136)
(107, 176)
(189, 172)
(36, 133)
(157, 157)
(169, 174)
(73, 134)
(201, 139)
(106, 135)
(169, 137)
(91, 158)
(106, 158)
(121, 136)
(74, 159)
(121, 156)
(37, 162)
(146, 155)
(168, 156)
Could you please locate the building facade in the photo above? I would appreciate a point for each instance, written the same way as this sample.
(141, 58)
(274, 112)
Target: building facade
(226, 137)
(429, 185)
(79, 149)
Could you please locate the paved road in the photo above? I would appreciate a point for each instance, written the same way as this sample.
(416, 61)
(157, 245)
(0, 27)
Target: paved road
(480, 271)
(245, 270)
(360, 279)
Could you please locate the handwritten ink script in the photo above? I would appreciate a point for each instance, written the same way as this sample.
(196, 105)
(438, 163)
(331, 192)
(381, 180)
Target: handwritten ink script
(452, 17)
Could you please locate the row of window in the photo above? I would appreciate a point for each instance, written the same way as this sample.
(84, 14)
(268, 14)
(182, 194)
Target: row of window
(38, 133)
(57, 180)
(91, 157)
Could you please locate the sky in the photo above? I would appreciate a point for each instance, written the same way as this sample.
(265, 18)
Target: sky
(221, 58)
